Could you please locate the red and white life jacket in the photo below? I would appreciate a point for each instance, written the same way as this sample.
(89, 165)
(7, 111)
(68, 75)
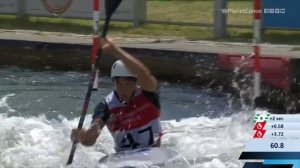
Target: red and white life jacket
(134, 125)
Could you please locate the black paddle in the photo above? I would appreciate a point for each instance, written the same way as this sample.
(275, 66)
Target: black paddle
(110, 7)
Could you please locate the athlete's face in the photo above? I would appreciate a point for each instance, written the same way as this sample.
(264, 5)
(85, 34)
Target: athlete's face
(125, 87)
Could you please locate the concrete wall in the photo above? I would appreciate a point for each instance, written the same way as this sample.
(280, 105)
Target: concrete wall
(281, 77)
(170, 65)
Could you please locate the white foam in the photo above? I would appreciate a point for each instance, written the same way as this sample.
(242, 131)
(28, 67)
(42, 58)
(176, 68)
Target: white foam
(201, 140)
(38, 142)
(4, 105)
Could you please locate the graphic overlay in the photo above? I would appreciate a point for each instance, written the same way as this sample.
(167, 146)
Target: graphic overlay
(275, 142)
(269, 11)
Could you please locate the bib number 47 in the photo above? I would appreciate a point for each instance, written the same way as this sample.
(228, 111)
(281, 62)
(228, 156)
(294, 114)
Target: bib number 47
(128, 140)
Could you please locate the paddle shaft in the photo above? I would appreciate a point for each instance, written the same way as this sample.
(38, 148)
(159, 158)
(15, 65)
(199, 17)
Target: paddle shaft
(83, 113)
(86, 104)
(110, 8)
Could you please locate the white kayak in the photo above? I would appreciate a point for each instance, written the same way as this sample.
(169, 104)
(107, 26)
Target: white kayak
(146, 157)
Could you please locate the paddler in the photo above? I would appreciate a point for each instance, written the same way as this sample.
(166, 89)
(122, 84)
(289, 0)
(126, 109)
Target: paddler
(131, 111)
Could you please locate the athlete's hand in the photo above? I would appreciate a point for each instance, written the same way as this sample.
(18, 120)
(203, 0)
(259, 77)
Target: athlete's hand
(107, 46)
(85, 137)
(78, 135)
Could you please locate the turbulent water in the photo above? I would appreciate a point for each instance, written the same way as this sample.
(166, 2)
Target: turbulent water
(39, 109)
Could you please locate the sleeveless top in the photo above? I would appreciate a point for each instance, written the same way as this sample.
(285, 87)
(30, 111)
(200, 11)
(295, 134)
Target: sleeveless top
(134, 125)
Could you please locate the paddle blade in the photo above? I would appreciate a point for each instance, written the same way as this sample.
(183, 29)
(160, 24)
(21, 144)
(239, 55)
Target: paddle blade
(111, 6)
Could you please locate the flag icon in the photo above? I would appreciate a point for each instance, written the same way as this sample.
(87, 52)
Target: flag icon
(261, 117)
(259, 126)
(259, 134)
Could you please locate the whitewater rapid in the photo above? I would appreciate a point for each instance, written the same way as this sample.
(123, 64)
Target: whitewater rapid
(40, 142)
(38, 110)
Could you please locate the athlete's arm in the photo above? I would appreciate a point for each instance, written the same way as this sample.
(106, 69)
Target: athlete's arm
(145, 79)
(88, 137)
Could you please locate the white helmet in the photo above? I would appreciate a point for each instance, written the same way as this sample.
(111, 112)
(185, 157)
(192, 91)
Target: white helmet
(119, 69)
